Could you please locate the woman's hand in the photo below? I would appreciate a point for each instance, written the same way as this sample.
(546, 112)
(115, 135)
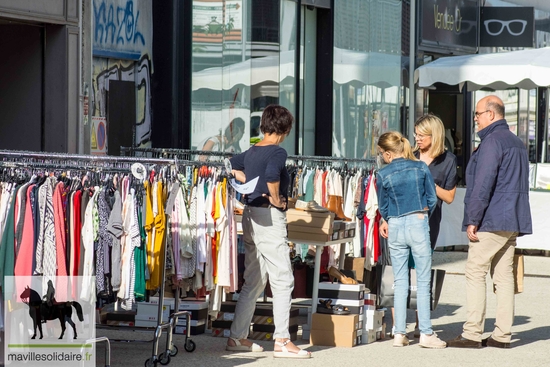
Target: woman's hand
(280, 204)
(384, 229)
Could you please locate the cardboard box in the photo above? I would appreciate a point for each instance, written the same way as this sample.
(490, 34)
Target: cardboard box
(226, 316)
(369, 336)
(168, 301)
(326, 322)
(294, 236)
(374, 320)
(370, 301)
(183, 322)
(310, 219)
(193, 305)
(334, 338)
(195, 330)
(314, 230)
(147, 311)
(355, 307)
(342, 287)
(338, 294)
(146, 323)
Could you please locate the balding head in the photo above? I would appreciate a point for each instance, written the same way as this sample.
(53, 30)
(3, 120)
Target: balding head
(488, 110)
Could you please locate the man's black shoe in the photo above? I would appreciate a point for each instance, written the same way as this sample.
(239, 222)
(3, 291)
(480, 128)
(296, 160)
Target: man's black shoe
(490, 342)
(460, 342)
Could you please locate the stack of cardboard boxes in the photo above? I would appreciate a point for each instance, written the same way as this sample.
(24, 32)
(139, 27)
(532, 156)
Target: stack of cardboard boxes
(374, 327)
(317, 226)
(263, 326)
(312, 226)
(199, 314)
(339, 330)
(222, 325)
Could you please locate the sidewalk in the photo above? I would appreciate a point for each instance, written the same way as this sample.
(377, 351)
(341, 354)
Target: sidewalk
(529, 345)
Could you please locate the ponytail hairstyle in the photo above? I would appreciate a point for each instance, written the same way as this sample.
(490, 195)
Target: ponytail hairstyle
(394, 142)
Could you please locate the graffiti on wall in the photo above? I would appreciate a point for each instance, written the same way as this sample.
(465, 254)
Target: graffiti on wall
(138, 72)
(122, 28)
(122, 50)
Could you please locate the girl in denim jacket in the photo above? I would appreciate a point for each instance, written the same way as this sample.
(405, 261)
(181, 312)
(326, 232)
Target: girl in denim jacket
(406, 198)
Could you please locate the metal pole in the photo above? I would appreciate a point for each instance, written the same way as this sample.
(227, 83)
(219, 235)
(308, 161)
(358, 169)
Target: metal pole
(412, 59)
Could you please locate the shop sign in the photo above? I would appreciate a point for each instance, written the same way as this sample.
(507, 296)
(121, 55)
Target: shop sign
(448, 26)
(507, 27)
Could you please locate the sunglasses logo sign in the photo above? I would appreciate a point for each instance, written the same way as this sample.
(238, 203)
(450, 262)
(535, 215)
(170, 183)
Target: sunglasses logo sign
(495, 27)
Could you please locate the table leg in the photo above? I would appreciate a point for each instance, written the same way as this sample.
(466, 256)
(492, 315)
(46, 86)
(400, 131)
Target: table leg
(316, 275)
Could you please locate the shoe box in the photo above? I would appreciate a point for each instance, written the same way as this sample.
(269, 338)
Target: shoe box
(311, 226)
(263, 325)
(370, 301)
(348, 295)
(334, 330)
(374, 327)
(147, 314)
(222, 325)
(356, 264)
(199, 315)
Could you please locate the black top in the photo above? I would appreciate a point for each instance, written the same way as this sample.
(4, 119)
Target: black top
(268, 162)
(443, 170)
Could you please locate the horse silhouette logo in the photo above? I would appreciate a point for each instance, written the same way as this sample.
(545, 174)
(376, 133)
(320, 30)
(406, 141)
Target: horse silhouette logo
(47, 308)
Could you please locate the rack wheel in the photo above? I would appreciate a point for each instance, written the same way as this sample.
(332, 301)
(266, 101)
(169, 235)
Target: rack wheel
(150, 363)
(173, 351)
(164, 358)
(190, 345)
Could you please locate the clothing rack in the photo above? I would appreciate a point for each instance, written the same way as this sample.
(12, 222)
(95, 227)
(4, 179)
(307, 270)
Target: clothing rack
(25, 160)
(184, 153)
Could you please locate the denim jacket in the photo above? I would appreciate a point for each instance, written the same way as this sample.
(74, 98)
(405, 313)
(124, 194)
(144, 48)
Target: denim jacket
(404, 187)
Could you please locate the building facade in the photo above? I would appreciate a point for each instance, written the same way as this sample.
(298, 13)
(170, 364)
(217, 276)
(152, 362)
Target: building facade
(91, 76)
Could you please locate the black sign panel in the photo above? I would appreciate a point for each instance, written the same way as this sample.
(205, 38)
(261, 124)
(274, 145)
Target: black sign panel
(507, 27)
(448, 26)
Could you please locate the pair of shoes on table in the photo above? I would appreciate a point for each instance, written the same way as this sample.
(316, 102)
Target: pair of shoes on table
(400, 340)
(310, 206)
(328, 308)
(334, 273)
(431, 341)
(238, 347)
(460, 342)
(285, 353)
(490, 342)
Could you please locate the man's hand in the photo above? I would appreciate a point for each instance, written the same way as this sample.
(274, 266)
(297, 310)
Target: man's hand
(281, 203)
(471, 232)
(384, 229)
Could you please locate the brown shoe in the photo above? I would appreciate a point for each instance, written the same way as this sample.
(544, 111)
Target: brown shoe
(490, 342)
(460, 342)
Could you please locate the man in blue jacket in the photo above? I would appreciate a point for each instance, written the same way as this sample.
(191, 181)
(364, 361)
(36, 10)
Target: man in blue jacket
(496, 212)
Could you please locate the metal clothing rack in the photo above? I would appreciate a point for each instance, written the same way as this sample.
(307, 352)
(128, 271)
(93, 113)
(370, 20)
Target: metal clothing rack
(187, 154)
(24, 160)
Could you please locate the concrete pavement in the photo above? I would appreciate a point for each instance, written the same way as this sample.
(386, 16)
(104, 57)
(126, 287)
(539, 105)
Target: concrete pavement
(530, 343)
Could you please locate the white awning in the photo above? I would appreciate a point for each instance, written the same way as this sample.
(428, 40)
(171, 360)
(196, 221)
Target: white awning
(526, 69)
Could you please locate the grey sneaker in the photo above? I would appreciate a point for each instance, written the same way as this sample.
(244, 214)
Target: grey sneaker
(431, 341)
(400, 340)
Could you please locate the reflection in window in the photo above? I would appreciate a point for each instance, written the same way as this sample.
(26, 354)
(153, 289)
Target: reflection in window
(367, 75)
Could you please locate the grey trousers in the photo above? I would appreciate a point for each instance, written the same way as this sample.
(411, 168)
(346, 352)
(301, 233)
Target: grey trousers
(495, 253)
(266, 255)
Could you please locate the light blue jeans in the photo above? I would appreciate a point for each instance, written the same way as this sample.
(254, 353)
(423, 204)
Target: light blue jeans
(411, 233)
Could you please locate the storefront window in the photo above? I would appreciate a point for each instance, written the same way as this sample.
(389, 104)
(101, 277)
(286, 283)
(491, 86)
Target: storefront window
(368, 66)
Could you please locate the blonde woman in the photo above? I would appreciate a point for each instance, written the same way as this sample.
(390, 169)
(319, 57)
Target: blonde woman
(406, 199)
